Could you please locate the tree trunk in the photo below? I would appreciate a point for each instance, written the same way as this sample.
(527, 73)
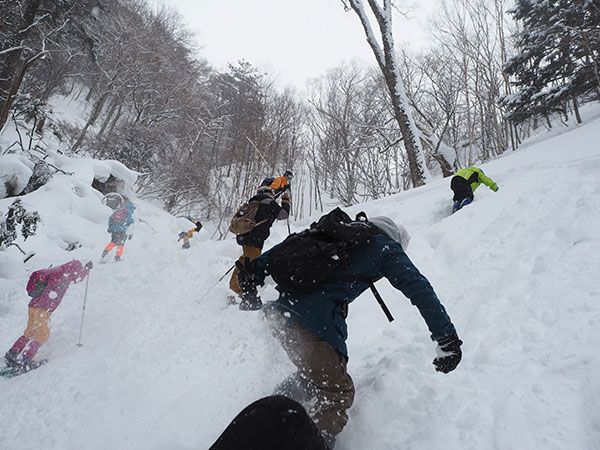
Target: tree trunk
(386, 59)
(92, 119)
(576, 111)
(13, 69)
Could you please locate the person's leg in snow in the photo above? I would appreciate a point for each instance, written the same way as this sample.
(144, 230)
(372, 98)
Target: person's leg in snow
(325, 372)
(463, 194)
(298, 387)
(271, 423)
(35, 335)
(247, 252)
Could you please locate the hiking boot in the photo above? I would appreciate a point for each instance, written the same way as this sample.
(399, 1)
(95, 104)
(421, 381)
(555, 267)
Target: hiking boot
(248, 304)
(11, 359)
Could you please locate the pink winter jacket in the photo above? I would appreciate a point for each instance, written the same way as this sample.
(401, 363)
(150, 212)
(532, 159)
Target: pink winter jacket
(57, 281)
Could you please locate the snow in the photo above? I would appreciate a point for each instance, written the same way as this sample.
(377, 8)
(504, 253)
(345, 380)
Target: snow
(517, 271)
(14, 171)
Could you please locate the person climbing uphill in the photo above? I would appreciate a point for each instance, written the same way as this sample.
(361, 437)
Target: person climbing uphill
(118, 223)
(187, 235)
(47, 287)
(319, 272)
(279, 184)
(464, 183)
(252, 225)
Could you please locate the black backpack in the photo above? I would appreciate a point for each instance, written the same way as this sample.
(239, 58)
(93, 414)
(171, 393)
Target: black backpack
(304, 260)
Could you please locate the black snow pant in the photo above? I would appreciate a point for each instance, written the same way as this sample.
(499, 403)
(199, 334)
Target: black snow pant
(271, 423)
(461, 188)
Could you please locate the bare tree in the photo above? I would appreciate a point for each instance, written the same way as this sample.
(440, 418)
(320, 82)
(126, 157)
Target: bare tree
(386, 59)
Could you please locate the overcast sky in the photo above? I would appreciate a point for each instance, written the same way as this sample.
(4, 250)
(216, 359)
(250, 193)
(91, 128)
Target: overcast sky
(292, 39)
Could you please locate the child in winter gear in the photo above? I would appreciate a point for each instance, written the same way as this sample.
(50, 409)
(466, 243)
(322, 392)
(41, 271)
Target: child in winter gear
(311, 325)
(118, 223)
(47, 287)
(271, 423)
(464, 183)
(187, 235)
(252, 242)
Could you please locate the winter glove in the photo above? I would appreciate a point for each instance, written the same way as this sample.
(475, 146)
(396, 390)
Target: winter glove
(495, 188)
(250, 302)
(89, 265)
(130, 237)
(449, 354)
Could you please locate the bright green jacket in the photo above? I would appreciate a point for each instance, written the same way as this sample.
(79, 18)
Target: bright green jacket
(475, 176)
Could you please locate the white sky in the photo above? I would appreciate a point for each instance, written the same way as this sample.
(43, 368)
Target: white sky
(292, 39)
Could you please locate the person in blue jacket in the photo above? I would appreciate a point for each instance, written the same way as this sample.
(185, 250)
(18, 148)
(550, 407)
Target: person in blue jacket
(313, 331)
(118, 225)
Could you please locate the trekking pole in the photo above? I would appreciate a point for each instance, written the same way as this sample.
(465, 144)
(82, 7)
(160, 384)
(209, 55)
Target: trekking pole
(386, 311)
(215, 284)
(87, 282)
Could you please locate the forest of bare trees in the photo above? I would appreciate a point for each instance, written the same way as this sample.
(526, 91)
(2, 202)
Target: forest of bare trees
(202, 139)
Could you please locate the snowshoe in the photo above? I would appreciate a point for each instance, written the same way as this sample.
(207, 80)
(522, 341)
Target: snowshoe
(11, 359)
(21, 368)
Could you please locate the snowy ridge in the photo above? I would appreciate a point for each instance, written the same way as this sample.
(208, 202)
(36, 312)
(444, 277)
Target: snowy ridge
(517, 271)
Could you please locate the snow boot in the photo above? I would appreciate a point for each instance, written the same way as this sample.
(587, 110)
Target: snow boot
(186, 245)
(117, 258)
(248, 304)
(104, 253)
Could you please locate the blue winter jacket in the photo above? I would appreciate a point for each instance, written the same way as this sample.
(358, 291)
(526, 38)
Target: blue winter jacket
(120, 220)
(321, 310)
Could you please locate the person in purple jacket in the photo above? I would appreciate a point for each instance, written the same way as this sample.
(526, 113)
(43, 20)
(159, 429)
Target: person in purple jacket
(47, 287)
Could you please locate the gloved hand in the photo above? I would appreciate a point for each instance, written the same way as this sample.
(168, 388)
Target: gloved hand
(449, 354)
(495, 188)
(250, 302)
(89, 265)
(130, 237)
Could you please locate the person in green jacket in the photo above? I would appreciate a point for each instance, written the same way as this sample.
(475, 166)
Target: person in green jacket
(464, 183)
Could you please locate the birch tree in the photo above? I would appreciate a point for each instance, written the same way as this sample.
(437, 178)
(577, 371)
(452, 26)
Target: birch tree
(386, 59)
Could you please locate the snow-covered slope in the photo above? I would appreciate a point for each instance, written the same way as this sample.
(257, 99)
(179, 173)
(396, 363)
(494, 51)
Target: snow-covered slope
(517, 271)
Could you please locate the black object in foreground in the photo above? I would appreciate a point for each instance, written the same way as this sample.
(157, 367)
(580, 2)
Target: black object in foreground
(271, 423)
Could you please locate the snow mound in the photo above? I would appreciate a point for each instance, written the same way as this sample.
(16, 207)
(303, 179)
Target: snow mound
(15, 172)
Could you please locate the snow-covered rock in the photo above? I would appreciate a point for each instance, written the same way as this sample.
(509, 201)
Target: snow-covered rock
(15, 172)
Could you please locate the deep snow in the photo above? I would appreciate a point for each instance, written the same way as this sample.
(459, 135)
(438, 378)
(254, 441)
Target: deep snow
(517, 271)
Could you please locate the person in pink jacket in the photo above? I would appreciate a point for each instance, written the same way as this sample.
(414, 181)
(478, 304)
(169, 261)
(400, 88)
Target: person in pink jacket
(47, 287)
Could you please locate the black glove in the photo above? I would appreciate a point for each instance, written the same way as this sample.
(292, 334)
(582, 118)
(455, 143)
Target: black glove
(89, 265)
(246, 277)
(130, 237)
(449, 354)
(250, 302)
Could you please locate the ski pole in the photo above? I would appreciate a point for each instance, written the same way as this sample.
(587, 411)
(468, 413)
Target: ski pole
(384, 307)
(87, 282)
(215, 284)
